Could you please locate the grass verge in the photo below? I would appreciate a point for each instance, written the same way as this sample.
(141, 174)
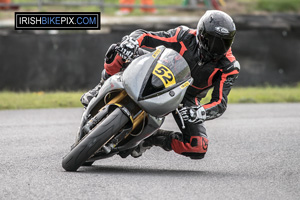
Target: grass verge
(33, 100)
(278, 5)
(28, 100)
(268, 94)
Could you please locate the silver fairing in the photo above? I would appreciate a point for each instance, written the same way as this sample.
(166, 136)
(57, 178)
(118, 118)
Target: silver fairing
(135, 78)
(113, 83)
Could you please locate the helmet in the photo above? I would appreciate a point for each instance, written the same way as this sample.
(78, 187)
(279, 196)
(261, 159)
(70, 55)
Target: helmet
(215, 33)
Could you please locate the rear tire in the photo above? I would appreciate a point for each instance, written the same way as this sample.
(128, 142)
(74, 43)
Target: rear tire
(97, 137)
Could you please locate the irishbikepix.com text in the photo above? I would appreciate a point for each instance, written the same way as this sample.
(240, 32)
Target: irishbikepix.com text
(57, 20)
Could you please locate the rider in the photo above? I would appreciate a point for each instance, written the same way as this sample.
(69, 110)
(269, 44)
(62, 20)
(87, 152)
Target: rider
(207, 50)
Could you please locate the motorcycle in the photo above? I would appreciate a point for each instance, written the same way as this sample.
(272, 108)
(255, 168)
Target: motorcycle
(130, 107)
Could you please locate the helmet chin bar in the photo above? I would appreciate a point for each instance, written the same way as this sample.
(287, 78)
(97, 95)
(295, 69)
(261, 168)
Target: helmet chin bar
(207, 56)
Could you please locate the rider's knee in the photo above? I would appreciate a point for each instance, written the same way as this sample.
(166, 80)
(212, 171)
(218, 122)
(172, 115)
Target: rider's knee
(196, 148)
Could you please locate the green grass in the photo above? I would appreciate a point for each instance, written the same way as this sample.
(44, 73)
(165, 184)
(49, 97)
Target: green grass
(32, 100)
(278, 5)
(27, 100)
(266, 94)
(272, 5)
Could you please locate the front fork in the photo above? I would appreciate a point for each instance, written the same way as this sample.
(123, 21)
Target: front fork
(118, 99)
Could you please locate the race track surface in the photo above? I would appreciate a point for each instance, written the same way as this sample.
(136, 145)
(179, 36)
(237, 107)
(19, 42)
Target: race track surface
(253, 153)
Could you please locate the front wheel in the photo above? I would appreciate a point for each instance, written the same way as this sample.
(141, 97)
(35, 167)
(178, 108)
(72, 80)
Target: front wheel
(97, 137)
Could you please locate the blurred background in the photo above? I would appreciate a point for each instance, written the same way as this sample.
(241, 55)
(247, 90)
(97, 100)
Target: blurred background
(267, 44)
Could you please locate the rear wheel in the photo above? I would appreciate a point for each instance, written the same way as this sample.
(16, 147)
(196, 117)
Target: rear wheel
(97, 137)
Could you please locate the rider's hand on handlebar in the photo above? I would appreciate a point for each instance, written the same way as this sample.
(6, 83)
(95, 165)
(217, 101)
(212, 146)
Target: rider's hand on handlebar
(193, 114)
(128, 48)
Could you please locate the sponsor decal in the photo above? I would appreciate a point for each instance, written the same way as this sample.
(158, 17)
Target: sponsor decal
(184, 85)
(222, 30)
(156, 53)
(204, 144)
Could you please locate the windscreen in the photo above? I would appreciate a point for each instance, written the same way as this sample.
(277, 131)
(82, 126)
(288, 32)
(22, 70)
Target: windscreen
(169, 71)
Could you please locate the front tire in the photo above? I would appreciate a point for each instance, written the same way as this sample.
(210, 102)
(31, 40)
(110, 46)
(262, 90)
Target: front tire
(97, 137)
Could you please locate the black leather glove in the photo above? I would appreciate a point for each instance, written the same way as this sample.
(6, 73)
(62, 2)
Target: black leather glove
(111, 54)
(128, 48)
(193, 114)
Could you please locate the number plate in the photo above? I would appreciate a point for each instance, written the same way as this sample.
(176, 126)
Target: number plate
(164, 74)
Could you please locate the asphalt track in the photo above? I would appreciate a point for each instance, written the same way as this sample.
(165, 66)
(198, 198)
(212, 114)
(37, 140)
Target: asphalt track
(253, 154)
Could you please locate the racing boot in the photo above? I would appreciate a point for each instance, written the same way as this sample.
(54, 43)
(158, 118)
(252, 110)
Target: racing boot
(161, 138)
(87, 97)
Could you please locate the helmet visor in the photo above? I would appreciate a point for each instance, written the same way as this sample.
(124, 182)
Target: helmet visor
(217, 45)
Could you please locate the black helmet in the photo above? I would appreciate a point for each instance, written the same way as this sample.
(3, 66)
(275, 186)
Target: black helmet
(215, 33)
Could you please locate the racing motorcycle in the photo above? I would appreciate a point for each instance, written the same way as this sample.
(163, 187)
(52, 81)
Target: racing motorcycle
(131, 106)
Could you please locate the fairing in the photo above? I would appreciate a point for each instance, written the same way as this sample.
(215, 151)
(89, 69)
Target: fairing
(157, 81)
